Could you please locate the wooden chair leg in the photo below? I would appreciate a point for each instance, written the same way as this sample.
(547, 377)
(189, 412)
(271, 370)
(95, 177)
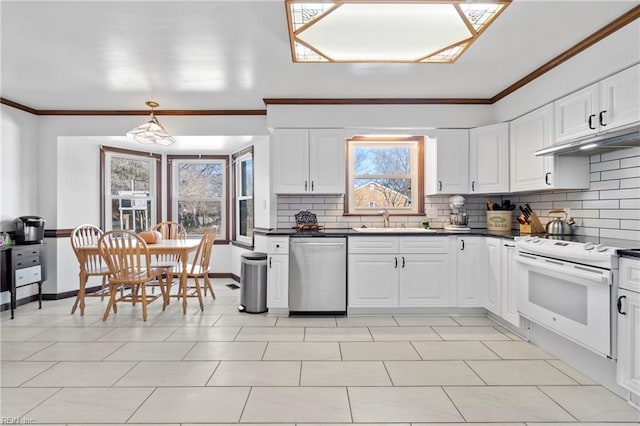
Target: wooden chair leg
(207, 284)
(112, 301)
(104, 284)
(75, 303)
(143, 290)
(199, 293)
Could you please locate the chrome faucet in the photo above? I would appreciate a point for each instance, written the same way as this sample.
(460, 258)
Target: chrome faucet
(385, 217)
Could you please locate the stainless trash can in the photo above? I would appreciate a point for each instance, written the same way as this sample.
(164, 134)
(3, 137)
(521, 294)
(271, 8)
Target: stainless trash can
(253, 283)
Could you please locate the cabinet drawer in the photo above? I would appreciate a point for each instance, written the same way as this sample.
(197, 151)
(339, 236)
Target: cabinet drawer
(278, 245)
(29, 275)
(630, 274)
(424, 245)
(24, 255)
(373, 245)
(27, 261)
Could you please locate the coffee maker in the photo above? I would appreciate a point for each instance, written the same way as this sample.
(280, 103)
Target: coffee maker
(458, 218)
(29, 230)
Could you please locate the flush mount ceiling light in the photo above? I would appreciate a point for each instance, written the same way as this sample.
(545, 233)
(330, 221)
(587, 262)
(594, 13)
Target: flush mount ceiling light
(387, 31)
(152, 131)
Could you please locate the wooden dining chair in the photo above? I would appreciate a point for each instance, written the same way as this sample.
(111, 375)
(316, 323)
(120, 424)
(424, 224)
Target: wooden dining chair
(171, 230)
(91, 265)
(127, 256)
(199, 268)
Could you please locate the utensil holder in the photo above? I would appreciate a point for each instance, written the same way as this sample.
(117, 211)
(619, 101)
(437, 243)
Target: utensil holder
(499, 220)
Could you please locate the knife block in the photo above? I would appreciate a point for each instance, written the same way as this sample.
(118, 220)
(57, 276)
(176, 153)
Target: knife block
(525, 229)
(536, 225)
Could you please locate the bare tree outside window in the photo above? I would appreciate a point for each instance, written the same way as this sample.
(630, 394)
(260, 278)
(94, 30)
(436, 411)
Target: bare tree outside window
(200, 195)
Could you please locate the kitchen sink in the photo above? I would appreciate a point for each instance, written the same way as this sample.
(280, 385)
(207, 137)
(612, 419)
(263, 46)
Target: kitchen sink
(403, 230)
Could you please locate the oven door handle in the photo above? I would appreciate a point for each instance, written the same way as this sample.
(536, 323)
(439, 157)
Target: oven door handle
(560, 268)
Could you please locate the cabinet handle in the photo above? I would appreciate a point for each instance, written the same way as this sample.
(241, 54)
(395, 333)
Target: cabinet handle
(546, 178)
(312, 186)
(509, 245)
(439, 185)
(462, 245)
(270, 263)
(396, 259)
(473, 185)
(591, 117)
(601, 118)
(403, 261)
(620, 305)
(305, 185)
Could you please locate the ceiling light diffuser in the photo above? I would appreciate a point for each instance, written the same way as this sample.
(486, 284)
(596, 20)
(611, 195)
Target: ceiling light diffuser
(387, 31)
(151, 132)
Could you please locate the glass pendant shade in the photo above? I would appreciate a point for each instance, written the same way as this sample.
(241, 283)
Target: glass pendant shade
(151, 132)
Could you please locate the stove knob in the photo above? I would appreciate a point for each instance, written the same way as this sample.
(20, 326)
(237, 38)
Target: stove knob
(589, 246)
(601, 248)
(527, 239)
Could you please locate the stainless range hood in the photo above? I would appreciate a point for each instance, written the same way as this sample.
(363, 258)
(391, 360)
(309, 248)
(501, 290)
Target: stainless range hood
(603, 142)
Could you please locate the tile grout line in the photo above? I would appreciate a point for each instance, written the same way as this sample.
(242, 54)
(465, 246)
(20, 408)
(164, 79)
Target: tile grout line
(553, 366)
(349, 402)
(135, 364)
(42, 402)
(43, 371)
(142, 403)
(453, 403)
(244, 406)
(474, 371)
(557, 403)
(206, 384)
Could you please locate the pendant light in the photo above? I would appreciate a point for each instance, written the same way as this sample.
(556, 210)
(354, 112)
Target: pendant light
(152, 131)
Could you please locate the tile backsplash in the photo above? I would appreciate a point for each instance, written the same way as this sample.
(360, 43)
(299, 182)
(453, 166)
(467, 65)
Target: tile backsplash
(610, 208)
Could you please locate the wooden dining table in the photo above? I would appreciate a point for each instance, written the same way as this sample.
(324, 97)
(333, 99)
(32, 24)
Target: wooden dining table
(182, 248)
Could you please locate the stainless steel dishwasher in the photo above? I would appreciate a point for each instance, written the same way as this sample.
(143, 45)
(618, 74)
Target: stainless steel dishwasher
(318, 274)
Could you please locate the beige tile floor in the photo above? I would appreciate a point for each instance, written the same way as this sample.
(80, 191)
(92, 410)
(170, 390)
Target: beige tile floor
(223, 367)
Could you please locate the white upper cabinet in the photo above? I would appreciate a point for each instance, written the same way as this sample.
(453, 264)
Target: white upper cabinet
(604, 106)
(308, 161)
(528, 172)
(447, 162)
(489, 159)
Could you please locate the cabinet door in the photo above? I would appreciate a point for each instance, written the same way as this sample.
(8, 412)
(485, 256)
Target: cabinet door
(373, 280)
(619, 100)
(447, 162)
(489, 159)
(278, 281)
(494, 276)
(509, 285)
(528, 134)
(628, 368)
(472, 271)
(290, 161)
(576, 115)
(326, 161)
(424, 280)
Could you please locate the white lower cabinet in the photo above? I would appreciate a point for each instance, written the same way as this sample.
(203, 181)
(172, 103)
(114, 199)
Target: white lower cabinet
(628, 367)
(471, 269)
(411, 272)
(424, 280)
(373, 281)
(277, 273)
(494, 276)
(509, 284)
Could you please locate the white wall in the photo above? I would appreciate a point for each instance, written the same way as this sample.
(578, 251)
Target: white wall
(18, 174)
(618, 51)
(18, 166)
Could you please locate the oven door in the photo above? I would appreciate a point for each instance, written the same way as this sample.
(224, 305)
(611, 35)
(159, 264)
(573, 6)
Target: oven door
(571, 299)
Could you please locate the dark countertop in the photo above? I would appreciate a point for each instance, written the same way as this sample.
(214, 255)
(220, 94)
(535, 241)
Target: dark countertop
(627, 246)
(348, 232)
(635, 253)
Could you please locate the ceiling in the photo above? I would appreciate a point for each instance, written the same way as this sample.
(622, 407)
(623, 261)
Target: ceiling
(231, 54)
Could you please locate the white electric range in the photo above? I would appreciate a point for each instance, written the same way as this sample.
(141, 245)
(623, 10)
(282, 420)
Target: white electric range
(569, 287)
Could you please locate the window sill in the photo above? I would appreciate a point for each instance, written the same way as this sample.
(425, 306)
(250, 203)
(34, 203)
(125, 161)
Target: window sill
(242, 245)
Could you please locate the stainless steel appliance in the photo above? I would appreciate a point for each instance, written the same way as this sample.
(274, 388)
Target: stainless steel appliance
(558, 226)
(29, 230)
(253, 283)
(458, 219)
(569, 287)
(318, 274)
